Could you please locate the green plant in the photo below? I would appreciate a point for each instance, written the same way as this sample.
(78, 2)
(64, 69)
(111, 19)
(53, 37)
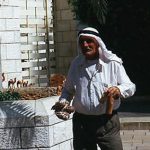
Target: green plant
(9, 95)
(90, 11)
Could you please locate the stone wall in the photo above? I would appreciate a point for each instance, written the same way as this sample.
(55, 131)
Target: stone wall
(31, 124)
(64, 35)
(10, 39)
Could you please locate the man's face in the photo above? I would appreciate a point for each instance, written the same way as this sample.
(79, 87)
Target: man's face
(89, 47)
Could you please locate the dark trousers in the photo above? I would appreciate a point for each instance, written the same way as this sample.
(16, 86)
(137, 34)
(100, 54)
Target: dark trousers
(104, 130)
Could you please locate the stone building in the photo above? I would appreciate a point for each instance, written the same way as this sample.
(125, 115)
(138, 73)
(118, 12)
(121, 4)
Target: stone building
(37, 39)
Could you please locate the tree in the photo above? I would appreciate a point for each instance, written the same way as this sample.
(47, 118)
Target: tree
(124, 26)
(91, 12)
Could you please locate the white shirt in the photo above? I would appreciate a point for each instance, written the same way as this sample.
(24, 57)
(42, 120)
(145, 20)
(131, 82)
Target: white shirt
(87, 81)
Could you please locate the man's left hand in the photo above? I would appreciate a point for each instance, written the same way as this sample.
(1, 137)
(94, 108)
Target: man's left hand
(113, 91)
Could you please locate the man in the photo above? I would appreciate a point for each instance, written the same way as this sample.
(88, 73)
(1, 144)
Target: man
(95, 76)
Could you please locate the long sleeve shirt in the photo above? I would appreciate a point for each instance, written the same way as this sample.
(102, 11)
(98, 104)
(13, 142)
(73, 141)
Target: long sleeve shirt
(87, 81)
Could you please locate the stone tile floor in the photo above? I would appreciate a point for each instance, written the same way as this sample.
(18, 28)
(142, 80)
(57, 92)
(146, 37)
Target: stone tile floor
(135, 132)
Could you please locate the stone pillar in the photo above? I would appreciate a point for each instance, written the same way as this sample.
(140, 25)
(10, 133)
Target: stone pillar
(64, 35)
(10, 40)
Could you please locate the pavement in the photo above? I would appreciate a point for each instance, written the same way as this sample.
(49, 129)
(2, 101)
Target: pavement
(135, 123)
(135, 131)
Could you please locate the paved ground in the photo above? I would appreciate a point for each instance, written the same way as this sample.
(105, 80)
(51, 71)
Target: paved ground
(135, 123)
(135, 131)
(136, 139)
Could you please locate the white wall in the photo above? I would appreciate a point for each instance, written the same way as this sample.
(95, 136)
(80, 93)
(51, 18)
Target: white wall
(10, 39)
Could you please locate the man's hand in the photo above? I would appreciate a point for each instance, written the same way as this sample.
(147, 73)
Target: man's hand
(62, 110)
(109, 105)
(111, 93)
(114, 92)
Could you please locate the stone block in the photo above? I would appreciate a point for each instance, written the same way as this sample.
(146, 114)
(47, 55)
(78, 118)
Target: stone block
(66, 145)
(9, 2)
(41, 120)
(73, 24)
(140, 132)
(74, 50)
(62, 4)
(69, 36)
(62, 70)
(63, 25)
(16, 36)
(127, 146)
(51, 135)
(127, 138)
(13, 51)
(17, 114)
(129, 126)
(67, 62)
(10, 138)
(17, 122)
(10, 37)
(69, 128)
(59, 36)
(60, 63)
(8, 66)
(2, 24)
(66, 15)
(144, 125)
(18, 66)
(58, 15)
(7, 37)
(143, 147)
(16, 12)
(14, 3)
(35, 137)
(64, 49)
(56, 147)
(12, 24)
(59, 133)
(3, 48)
(6, 12)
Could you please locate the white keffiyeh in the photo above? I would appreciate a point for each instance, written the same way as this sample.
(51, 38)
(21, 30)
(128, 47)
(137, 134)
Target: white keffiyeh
(104, 53)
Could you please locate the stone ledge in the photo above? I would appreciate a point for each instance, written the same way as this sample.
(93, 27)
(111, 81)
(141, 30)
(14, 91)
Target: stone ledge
(134, 121)
(135, 126)
(32, 124)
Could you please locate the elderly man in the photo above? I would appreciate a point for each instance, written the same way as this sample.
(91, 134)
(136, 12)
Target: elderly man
(95, 77)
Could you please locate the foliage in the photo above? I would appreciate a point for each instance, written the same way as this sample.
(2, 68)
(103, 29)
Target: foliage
(127, 33)
(9, 96)
(125, 30)
(90, 11)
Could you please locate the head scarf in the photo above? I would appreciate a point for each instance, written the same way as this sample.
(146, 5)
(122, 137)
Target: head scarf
(104, 53)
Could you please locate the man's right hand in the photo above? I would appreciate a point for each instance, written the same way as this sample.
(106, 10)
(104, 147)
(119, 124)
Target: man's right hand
(62, 110)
